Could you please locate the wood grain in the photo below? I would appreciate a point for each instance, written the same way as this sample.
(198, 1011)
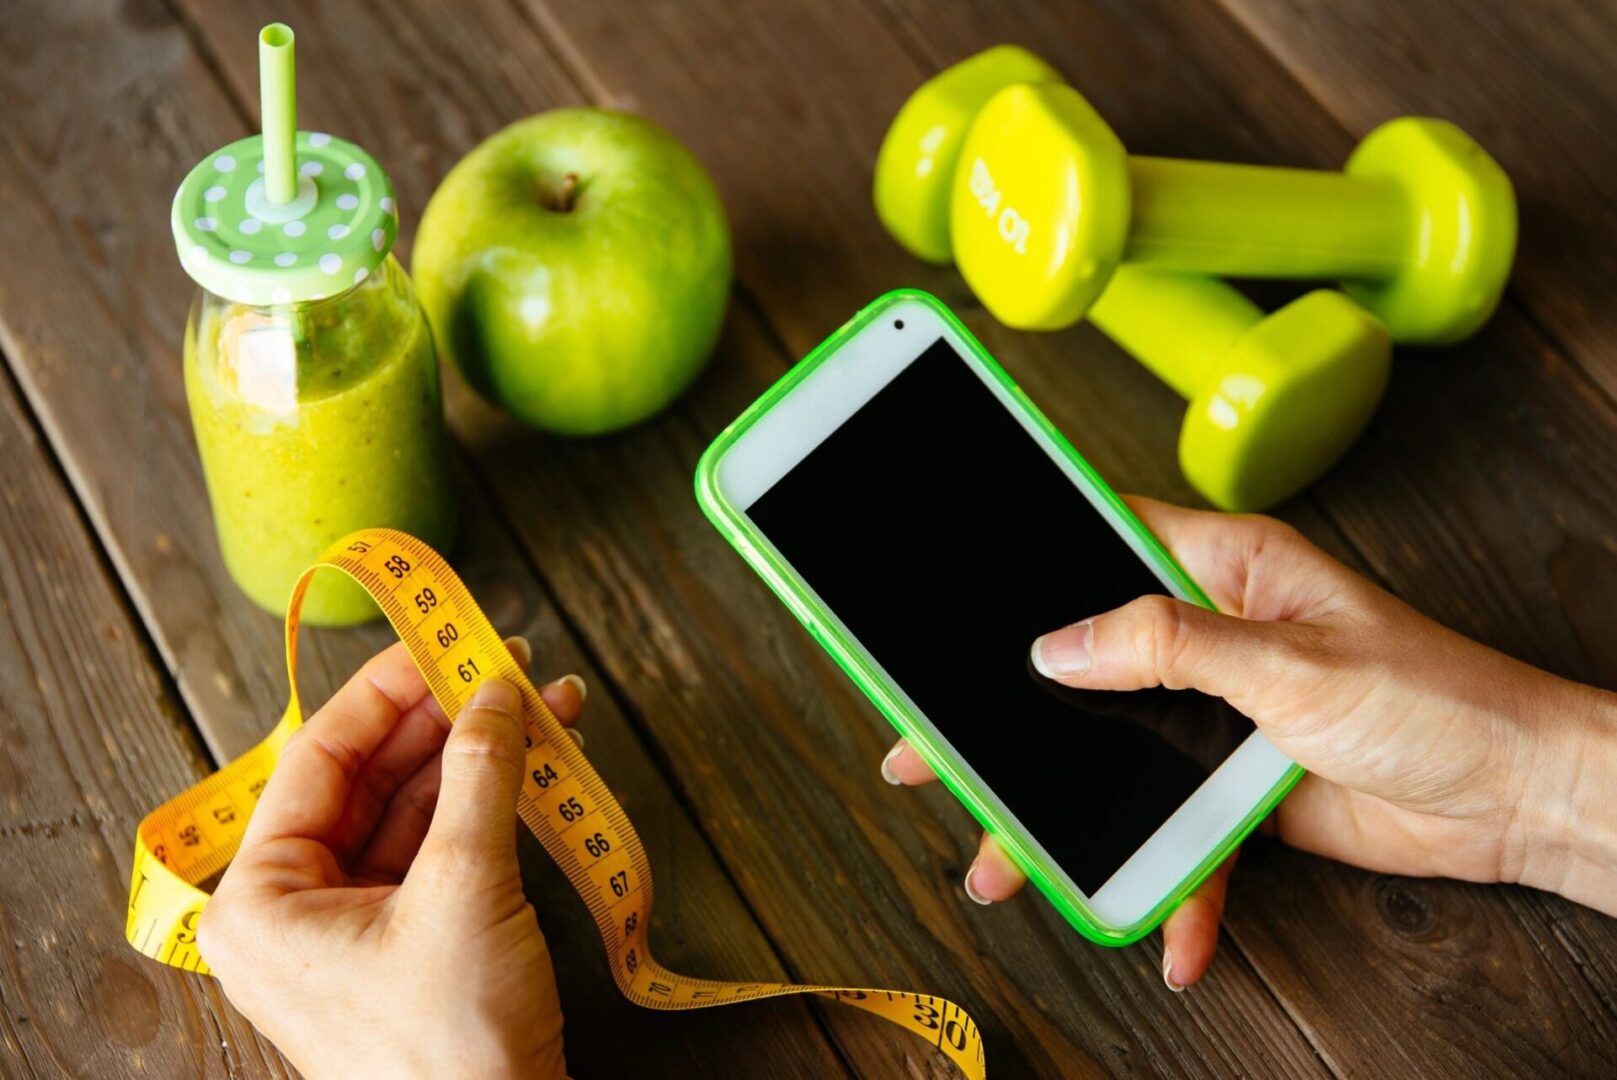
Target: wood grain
(91, 735)
(1190, 103)
(1484, 493)
(92, 305)
(1420, 488)
(722, 679)
(1458, 987)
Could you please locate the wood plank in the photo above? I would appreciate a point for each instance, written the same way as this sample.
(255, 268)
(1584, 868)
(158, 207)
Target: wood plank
(852, 879)
(630, 57)
(91, 735)
(764, 735)
(1461, 988)
(92, 305)
(767, 228)
(1531, 82)
(1417, 505)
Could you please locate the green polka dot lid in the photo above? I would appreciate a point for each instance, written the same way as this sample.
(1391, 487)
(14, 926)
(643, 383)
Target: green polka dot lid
(286, 216)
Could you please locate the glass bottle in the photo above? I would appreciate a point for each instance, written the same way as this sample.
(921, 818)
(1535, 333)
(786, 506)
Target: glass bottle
(312, 420)
(309, 366)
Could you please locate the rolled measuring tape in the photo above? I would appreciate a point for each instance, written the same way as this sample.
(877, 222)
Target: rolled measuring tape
(563, 802)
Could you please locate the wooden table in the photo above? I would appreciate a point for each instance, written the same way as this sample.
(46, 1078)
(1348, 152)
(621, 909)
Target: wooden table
(1485, 493)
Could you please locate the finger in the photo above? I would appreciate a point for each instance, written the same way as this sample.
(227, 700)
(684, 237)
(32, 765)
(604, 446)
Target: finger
(1340, 823)
(566, 697)
(416, 737)
(1215, 549)
(1160, 641)
(396, 840)
(993, 876)
(1190, 934)
(393, 844)
(903, 765)
(309, 788)
(471, 842)
(1247, 564)
(521, 651)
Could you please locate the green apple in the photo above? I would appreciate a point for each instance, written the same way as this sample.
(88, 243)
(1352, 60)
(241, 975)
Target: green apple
(575, 268)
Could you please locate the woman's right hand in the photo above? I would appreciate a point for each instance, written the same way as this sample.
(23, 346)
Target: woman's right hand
(1428, 754)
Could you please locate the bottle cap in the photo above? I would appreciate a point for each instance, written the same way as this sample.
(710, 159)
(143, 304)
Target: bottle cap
(288, 215)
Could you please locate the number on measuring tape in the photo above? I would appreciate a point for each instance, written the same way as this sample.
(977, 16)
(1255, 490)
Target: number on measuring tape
(569, 808)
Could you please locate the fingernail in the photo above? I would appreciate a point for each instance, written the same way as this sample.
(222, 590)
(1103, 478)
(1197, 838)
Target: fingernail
(971, 890)
(1167, 971)
(497, 694)
(887, 772)
(578, 737)
(1063, 653)
(520, 646)
(578, 686)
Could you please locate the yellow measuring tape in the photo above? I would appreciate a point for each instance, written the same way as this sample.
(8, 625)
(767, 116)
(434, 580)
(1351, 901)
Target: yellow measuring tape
(564, 802)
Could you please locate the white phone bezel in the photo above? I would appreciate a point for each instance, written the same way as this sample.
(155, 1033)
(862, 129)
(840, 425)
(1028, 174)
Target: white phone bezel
(821, 403)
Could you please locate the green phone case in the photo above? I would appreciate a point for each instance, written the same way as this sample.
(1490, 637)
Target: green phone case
(862, 668)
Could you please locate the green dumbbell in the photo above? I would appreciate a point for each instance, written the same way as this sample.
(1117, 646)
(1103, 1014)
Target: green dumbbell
(1420, 226)
(1274, 400)
(915, 166)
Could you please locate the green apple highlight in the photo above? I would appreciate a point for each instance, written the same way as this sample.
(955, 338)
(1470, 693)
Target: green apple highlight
(575, 268)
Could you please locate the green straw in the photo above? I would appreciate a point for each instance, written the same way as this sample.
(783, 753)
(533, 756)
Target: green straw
(277, 102)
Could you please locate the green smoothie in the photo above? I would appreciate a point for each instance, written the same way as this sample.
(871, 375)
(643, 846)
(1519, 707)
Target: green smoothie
(313, 420)
(309, 365)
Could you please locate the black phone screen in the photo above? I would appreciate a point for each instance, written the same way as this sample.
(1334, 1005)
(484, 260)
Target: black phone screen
(946, 539)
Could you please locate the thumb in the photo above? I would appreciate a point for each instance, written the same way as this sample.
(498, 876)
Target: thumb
(472, 841)
(1159, 641)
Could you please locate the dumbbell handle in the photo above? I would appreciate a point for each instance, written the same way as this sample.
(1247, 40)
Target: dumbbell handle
(1260, 221)
(1178, 325)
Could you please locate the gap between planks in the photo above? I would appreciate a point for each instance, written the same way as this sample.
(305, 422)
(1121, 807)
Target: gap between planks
(153, 653)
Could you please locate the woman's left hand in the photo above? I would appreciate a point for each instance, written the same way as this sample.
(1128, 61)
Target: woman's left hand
(373, 922)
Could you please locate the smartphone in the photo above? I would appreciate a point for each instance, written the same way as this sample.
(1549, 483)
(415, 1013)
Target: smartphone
(925, 522)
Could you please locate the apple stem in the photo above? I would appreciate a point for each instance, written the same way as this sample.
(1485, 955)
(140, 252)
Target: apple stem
(561, 200)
